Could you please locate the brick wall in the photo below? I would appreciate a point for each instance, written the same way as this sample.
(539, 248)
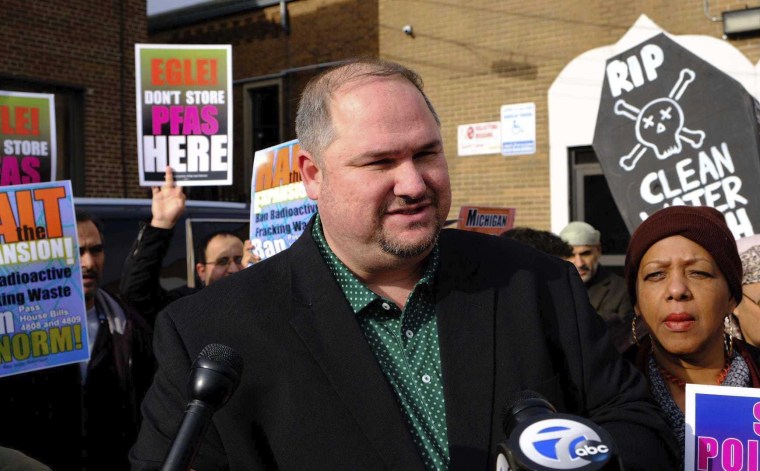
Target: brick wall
(78, 43)
(476, 56)
(321, 32)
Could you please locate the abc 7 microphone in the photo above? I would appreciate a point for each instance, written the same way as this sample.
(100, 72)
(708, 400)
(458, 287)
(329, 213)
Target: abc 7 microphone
(540, 439)
(214, 376)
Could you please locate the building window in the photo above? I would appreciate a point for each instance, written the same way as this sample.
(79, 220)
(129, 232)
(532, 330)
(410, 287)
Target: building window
(591, 201)
(265, 117)
(69, 127)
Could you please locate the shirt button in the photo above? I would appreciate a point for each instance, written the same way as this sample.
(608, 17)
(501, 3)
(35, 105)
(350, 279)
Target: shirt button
(386, 306)
(426, 379)
(409, 334)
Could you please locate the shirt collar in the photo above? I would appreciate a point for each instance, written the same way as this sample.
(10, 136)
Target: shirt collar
(357, 294)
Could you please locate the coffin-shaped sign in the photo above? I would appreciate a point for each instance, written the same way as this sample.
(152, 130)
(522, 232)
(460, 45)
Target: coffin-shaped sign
(674, 130)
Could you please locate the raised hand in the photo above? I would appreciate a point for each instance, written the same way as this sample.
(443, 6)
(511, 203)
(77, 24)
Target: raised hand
(168, 203)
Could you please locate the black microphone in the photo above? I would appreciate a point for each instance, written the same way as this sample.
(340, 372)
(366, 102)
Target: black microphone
(540, 439)
(214, 376)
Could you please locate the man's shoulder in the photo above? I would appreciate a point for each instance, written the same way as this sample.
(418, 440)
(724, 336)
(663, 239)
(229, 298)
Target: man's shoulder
(605, 276)
(495, 258)
(261, 284)
(486, 247)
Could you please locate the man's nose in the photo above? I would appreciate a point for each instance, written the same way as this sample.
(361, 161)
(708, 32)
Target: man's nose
(578, 261)
(233, 267)
(409, 181)
(85, 259)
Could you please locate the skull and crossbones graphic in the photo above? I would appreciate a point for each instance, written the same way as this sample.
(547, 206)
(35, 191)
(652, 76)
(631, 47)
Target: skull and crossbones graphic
(659, 125)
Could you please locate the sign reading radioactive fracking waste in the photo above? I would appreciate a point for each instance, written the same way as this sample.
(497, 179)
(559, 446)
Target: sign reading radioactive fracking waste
(674, 130)
(280, 209)
(43, 320)
(184, 113)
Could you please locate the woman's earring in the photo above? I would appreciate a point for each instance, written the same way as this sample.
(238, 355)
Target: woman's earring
(633, 330)
(728, 339)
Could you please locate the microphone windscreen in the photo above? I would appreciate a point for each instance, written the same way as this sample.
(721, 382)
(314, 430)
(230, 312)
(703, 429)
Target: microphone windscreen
(223, 354)
(520, 402)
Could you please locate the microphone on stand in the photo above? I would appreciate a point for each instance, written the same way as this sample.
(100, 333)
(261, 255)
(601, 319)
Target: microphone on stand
(540, 439)
(214, 376)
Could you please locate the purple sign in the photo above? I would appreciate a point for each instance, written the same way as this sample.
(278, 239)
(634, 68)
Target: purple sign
(722, 428)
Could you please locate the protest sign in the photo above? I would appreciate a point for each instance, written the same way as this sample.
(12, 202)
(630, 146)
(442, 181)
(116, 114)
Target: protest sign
(184, 113)
(486, 220)
(27, 134)
(43, 321)
(280, 208)
(674, 130)
(722, 428)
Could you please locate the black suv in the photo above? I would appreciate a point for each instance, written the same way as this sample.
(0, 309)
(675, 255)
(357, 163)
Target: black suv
(121, 219)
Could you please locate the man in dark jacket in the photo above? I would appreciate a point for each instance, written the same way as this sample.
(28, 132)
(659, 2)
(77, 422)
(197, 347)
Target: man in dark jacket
(219, 254)
(606, 290)
(372, 343)
(84, 416)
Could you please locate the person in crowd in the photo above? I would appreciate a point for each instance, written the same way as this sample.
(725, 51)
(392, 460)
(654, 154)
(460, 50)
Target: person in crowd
(606, 290)
(218, 254)
(544, 241)
(378, 341)
(85, 416)
(745, 323)
(684, 276)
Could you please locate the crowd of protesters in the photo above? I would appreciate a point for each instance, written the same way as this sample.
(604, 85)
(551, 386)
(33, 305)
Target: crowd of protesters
(327, 327)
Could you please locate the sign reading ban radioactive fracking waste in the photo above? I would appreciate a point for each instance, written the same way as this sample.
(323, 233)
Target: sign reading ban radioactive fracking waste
(184, 113)
(43, 321)
(27, 135)
(674, 130)
(280, 209)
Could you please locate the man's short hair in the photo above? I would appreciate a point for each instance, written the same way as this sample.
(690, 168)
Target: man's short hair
(86, 216)
(200, 248)
(544, 241)
(580, 233)
(314, 126)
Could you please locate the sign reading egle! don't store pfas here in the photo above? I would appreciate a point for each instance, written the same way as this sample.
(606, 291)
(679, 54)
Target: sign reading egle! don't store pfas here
(184, 113)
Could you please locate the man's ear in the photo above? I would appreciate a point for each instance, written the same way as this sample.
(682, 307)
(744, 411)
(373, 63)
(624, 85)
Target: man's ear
(200, 269)
(311, 174)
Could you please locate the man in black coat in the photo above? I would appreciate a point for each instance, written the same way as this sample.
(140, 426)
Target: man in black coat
(217, 255)
(378, 341)
(607, 291)
(84, 416)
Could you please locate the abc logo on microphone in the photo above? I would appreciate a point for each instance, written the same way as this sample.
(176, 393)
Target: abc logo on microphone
(564, 443)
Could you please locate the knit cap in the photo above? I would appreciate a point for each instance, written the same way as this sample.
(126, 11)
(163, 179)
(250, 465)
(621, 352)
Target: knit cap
(701, 224)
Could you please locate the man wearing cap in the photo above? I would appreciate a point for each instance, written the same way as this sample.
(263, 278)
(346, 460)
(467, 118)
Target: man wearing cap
(606, 290)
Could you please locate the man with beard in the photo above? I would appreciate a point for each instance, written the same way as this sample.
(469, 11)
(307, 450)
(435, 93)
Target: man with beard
(85, 416)
(218, 254)
(606, 290)
(378, 341)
